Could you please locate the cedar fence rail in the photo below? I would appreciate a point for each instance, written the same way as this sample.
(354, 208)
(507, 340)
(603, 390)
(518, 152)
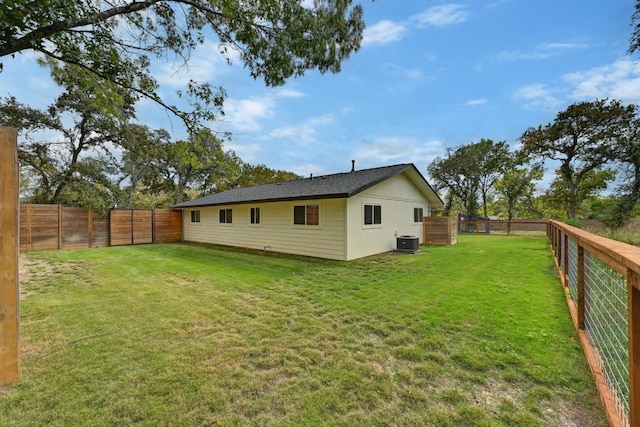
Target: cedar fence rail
(601, 278)
(50, 227)
(502, 225)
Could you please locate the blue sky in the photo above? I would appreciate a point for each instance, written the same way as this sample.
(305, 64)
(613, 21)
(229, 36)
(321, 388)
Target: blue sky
(429, 75)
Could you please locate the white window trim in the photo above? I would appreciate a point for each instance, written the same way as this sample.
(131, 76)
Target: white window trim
(258, 225)
(423, 213)
(371, 226)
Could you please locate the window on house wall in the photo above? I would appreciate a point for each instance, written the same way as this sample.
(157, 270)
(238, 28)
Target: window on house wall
(195, 216)
(417, 214)
(372, 214)
(226, 216)
(306, 215)
(255, 215)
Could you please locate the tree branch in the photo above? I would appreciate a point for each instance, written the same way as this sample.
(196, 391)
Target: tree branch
(30, 40)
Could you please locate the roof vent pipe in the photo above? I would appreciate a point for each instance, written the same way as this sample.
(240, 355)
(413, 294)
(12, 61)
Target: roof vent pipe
(353, 165)
(311, 177)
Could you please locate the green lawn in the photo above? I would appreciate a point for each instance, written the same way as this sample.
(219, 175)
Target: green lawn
(476, 334)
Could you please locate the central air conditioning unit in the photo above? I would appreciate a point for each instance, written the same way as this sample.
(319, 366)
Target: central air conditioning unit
(408, 244)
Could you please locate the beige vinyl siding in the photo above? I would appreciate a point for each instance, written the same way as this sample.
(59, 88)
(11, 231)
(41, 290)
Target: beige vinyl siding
(398, 196)
(276, 231)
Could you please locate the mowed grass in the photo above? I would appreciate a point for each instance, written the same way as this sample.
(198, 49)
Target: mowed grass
(476, 334)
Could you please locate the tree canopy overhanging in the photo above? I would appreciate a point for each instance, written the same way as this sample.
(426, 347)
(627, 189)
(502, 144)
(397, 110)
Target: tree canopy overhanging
(114, 41)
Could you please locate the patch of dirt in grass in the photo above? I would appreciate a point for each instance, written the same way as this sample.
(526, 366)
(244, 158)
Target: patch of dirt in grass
(29, 270)
(493, 395)
(35, 274)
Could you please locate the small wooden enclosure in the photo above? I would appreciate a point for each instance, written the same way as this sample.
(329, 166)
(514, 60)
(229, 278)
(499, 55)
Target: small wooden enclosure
(440, 230)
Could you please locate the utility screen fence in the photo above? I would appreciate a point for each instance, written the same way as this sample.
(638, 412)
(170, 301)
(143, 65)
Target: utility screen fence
(606, 325)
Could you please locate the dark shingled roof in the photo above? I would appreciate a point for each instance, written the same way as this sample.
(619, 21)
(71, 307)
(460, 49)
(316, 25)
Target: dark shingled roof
(337, 185)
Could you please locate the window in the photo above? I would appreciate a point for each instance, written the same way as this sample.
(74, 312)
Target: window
(195, 216)
(306, 215)
(255, 215)
(226, 216)
(417, 214)
(372, 214)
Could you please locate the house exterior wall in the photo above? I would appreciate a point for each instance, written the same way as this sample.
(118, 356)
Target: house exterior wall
(276, 231)
(398, 197)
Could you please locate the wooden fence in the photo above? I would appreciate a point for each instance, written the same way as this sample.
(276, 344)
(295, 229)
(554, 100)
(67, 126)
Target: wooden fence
(47, 227)
(440, 230)
(601, 278)
(502, 226)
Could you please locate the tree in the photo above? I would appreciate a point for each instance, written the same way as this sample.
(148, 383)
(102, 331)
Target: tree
(113, 42)
(634, 41)
(451, 173)
(261, 174)
(515, 186)
(627, 193)
(199, 164)
(79, 163)
(139, 165)
(491, 160)
(583, 138)
(471, 170)
(559, 196)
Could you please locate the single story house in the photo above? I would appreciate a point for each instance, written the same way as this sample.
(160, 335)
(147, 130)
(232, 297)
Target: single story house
(341, 216)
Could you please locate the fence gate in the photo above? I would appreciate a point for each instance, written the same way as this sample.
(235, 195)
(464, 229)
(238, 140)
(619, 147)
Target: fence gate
(131, 226)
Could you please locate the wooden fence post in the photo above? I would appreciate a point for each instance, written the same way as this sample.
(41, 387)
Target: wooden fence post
(59, 227)
(581, 296)
(634, 347)
(565, 267)
(9, 244)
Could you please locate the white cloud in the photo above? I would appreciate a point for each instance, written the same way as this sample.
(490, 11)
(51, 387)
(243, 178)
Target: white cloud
(541, 51)
(289, 93)
(248, 152)
(383, 32)
(303, 132)
(620, 80)
(205, 63)
(473, 102)
(397, 149)
(437, 16)
(389, 31)
(245, 114)
(538, 95)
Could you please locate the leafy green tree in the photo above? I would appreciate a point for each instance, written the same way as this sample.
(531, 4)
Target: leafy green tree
(628, 192)
(260, 174)
(79, 160)
(560, 197)
(492, 160)
(516, 186)
(142, 147)
(185, 169)
(113, 42)
(634, 41)
(451, 173)
(470, 171)
(583, 138)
